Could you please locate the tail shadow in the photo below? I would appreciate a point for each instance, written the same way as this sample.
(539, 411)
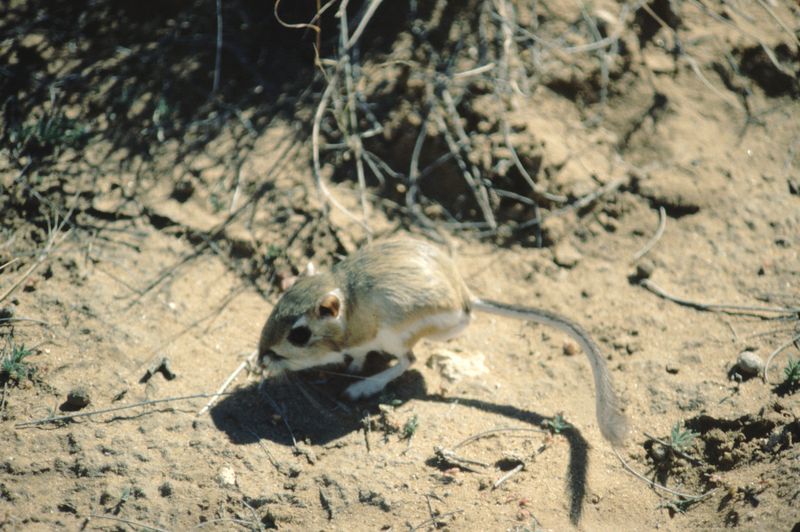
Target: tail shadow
(578, 446)
(301, 407)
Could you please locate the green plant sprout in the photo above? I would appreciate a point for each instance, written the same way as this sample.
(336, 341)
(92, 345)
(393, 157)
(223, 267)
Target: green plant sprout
(792, 372)
(410, 427)
(557, 425)
(13, 366)
(680, 439)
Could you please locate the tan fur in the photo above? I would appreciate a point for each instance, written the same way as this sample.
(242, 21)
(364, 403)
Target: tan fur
(386, 297)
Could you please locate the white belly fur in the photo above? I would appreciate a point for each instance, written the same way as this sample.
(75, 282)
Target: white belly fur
(395, 341)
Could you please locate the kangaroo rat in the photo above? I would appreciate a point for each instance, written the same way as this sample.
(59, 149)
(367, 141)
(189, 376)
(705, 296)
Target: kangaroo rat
(387, 296)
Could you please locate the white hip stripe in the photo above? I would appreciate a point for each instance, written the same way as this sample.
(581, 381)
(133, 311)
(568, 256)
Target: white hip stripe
(448, 325)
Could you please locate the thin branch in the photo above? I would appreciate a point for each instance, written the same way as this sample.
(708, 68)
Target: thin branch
(373, 6)
(414, 177)
(31, 320)
(477, 188)
(776, 352)
(351, 130)
(780, 22)
(249, 360)
(492, 432)
(55, 419)
(435, 520)
(767, 50)
(688, 497)
(695, 461)
(583, 201)
(507, 476)
(714, 307)
(9, 263)
(327, 197)
(53, 240)
(662, 224)
(691, 60)
(537, 189)
(297, 26)
(474, 71)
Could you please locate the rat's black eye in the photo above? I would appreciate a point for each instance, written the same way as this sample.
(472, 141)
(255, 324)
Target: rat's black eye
(299, 336)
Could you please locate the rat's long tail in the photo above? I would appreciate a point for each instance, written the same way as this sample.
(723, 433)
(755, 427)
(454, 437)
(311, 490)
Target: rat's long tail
(612, 421)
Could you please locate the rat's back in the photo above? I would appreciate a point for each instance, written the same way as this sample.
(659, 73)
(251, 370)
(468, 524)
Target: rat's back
(398, 280)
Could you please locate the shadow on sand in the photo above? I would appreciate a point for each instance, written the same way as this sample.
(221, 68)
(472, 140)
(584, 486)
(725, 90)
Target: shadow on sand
(303, 406)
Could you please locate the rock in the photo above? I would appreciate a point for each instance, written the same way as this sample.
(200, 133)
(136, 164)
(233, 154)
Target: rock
(6, 313)
(794, 186)
(672, 368)
(644, 270)
(566, 255)
(570, 348)
(749, 364)
(453, 366)
(77, 398)
(165, 489)
(226, 477)
(182, 190)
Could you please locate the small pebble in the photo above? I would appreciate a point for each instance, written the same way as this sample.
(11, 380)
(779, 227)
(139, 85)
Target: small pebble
(78, 398)
(165, 489)
(658, 453)
(570, 348)
(226, 477)
(182, 190)
(749, 364)
(6, 313)
(566, 255)
(644, 270)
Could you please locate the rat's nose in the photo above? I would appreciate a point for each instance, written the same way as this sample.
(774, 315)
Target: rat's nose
(265, 357)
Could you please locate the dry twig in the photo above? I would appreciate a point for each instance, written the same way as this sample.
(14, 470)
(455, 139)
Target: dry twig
(54, 238)
(224, 386)
(746, 310)
(775, 353)
(55, 419)
(688, 497)
(436, 520)
(507, 476)
(662, 224)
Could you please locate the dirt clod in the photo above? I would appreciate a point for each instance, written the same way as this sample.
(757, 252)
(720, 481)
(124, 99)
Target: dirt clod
(77, 398)
(749, 364)
(160, 188)
(566, 255)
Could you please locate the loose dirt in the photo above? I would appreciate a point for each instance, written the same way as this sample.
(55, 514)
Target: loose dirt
(148, 227)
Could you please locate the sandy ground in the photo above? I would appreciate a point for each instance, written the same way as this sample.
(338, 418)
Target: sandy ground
(165, 267)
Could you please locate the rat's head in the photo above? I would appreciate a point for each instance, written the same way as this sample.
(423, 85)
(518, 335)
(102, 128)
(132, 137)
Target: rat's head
(306, 326)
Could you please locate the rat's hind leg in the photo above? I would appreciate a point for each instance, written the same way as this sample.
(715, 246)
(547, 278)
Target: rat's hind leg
(375, 383)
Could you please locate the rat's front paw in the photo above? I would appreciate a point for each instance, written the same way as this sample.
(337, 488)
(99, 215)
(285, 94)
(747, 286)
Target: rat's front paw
(367, 387)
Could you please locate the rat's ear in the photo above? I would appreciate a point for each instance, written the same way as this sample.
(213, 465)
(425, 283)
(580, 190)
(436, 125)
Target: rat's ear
(288, 280)
(330, 306)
